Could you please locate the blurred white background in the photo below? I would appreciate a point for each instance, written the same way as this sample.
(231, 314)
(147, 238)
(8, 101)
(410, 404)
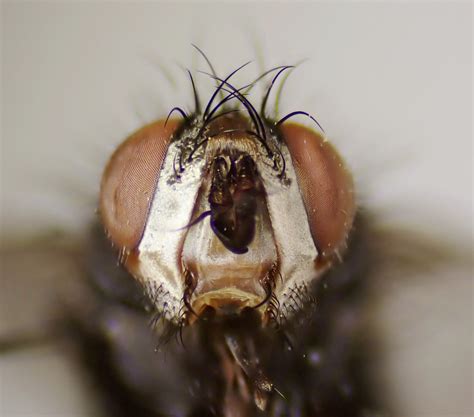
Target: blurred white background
(390, 82)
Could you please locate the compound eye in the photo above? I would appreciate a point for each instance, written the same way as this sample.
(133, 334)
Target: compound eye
(129, 182)
(325, 184)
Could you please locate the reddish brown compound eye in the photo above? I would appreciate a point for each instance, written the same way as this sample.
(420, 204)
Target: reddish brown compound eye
(129, 182)
(326, 186)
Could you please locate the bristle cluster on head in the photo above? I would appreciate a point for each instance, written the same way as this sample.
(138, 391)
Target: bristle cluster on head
(262, 127)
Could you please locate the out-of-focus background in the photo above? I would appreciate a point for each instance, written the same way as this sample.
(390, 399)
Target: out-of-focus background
(390, 82)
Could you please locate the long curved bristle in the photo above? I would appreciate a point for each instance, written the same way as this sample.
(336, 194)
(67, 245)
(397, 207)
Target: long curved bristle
(197, 103)
(219, 88)
(267, 94)
(295, 113)
(180, 111)
(208, 61)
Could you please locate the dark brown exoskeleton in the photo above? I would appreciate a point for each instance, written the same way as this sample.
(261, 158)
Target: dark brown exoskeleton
(234, 226)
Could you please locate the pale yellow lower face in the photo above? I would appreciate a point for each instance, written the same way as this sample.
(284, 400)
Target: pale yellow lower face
(227, 281)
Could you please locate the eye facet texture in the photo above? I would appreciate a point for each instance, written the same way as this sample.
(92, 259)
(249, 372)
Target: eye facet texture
(129, 182)
(325, 184)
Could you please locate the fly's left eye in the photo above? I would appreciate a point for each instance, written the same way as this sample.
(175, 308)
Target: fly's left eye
(129, 182)
(325, 184)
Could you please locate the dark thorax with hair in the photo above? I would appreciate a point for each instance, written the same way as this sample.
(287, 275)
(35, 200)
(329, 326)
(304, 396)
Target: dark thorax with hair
(316, 365)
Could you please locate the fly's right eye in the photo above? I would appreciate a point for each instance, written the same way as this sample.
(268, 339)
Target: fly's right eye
(325, 184)
(129, 182)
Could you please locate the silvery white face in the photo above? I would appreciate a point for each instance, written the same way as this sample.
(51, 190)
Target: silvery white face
(226, 211)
